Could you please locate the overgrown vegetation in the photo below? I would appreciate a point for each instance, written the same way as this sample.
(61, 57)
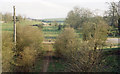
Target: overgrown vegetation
(66, 42)
(7, 51)
(29, 45)
(86, 55)
(80, 57)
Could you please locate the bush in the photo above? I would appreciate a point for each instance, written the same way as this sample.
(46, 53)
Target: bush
(29, 36)
(40, 25)
(85, 59)
(29, 45)
(66, 42)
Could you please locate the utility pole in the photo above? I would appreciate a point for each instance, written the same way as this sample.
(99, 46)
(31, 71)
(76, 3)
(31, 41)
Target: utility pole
(119, 17)
(14, 33)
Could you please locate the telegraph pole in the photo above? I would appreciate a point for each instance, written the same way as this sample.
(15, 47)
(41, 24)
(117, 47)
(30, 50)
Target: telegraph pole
(14, 39)
(119, 17)
(14, 33)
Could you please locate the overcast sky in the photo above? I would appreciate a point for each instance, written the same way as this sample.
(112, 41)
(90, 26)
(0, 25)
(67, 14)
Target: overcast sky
(40, 9)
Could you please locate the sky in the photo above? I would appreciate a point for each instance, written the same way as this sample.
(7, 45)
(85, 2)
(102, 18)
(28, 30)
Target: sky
(41, 9)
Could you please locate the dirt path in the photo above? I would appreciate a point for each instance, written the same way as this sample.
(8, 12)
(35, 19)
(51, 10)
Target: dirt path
(113, 40)
(47, 58)
(46, 62)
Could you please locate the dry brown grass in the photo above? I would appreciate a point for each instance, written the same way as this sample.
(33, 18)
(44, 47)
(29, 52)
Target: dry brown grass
(7, 54)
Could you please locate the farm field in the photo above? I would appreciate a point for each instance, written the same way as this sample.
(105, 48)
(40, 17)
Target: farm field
(9, 26)
(51, 32)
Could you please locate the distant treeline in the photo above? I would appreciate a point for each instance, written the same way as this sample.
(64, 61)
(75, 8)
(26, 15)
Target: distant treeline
(7, 17)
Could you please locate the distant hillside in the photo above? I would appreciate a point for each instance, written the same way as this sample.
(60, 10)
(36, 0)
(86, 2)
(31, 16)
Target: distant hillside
(54, 19)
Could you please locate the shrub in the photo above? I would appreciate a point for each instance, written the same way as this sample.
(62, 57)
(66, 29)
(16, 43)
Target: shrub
(29, 45)
(40, 25)
(29, 36)
(85, 59)
(66, 42)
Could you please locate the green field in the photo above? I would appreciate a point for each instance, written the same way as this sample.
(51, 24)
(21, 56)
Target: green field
(9, 26)
(52, 32)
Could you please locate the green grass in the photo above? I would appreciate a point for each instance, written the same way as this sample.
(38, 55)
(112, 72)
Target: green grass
(56, 66)
(7, 26)
(28, 22)
(50, 32)
(114, 36)
(111, 63)
(111, 48)
(38, 65)
(112, 60)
